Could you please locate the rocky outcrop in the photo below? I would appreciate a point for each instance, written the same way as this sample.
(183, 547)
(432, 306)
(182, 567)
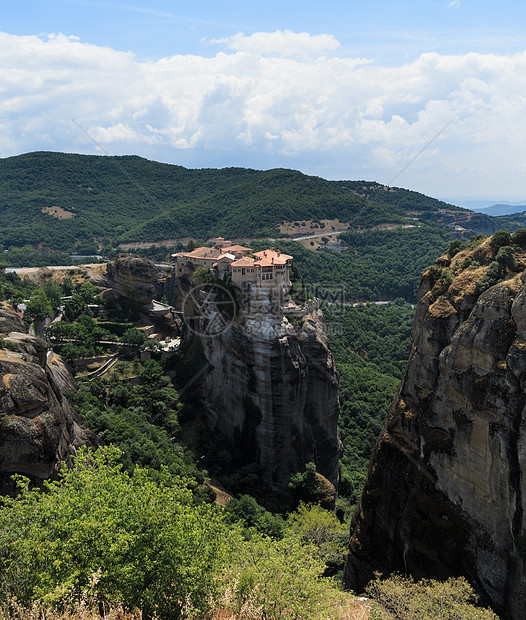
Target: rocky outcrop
(38, 427)
(271, 389)
(133, 277)
(446, 490)
(140, 280)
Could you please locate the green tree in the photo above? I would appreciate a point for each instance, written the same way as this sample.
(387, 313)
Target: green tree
(88, 292)
(278, 579)
(454, 247)
(120, 537)
(321, 528)
(506, 257)
(53, 292)
(253, 516)
(499, 239)
(311, 487)
(38, 307)
(133, 336)
(519, 237)
(491, 276)
(67, 286)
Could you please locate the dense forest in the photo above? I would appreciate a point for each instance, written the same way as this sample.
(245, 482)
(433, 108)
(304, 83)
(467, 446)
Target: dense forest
(60, 201)
(370, 344)
(376, 264)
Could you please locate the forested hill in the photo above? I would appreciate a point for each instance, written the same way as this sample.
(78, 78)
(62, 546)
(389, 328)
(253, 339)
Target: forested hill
(56, 199)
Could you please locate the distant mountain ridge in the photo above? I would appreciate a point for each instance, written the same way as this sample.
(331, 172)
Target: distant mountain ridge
(58, 200)
(500, 209)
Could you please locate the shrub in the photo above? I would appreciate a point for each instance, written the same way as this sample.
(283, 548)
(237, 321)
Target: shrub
(133, 336)
(499, 239)
(491, 276)
(311, 487)
(506, 257)
(454, 247)
(519, 237)
(446, 279)
(321, 528)
(7, 344)
(251, 515)
(427, 599)
(38, 307)
(277, 579)
(145, 542)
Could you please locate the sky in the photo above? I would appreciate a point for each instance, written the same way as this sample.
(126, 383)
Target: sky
(429, 95)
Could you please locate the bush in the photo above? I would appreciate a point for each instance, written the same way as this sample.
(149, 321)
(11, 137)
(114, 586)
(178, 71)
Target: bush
(121, 538)
(255, 517)
(38, 307)
(519, 237)
(446, 279)
(133, 336)
(310, 487)
(491, 276)
(7, 344)
(321, 528)
(278, 579)
(454, 247)
(499, 239)
(427, 599)
(506, 257)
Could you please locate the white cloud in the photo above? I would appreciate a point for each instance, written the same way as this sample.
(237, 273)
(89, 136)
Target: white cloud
(455, 4)
(282, 43)
(330, 115)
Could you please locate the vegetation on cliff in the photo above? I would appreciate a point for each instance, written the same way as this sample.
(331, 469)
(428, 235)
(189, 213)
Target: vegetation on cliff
(370, 344)
(402, 598)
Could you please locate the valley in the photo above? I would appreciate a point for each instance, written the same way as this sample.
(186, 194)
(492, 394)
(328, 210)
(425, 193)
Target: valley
(263, 367)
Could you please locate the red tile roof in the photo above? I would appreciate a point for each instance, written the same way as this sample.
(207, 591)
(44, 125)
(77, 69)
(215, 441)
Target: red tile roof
(203, 252)
(243, 262)
(237, 248)
(265, 258)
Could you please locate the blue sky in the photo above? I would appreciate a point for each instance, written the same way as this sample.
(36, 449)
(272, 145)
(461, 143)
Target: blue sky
(339, 89)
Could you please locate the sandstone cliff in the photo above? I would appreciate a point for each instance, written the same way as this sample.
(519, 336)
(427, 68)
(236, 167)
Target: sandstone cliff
(446, 490)
(38, 427)
(133, 277)
(271, 390)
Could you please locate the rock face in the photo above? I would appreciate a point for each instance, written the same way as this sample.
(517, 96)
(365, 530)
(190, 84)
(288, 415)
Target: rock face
(134, 278)
(38, 427)
(446, 489)
(272, 390)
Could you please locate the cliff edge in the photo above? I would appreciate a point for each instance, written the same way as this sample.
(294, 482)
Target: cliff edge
(446, 491)
(38, 427)
(271, 389)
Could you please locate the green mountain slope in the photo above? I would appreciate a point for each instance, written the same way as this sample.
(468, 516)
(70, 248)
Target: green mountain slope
(129, 198)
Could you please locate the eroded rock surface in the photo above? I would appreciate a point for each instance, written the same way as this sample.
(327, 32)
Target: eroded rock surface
(272, 391)
(133, 277)
(446, 490)
(38, 427)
